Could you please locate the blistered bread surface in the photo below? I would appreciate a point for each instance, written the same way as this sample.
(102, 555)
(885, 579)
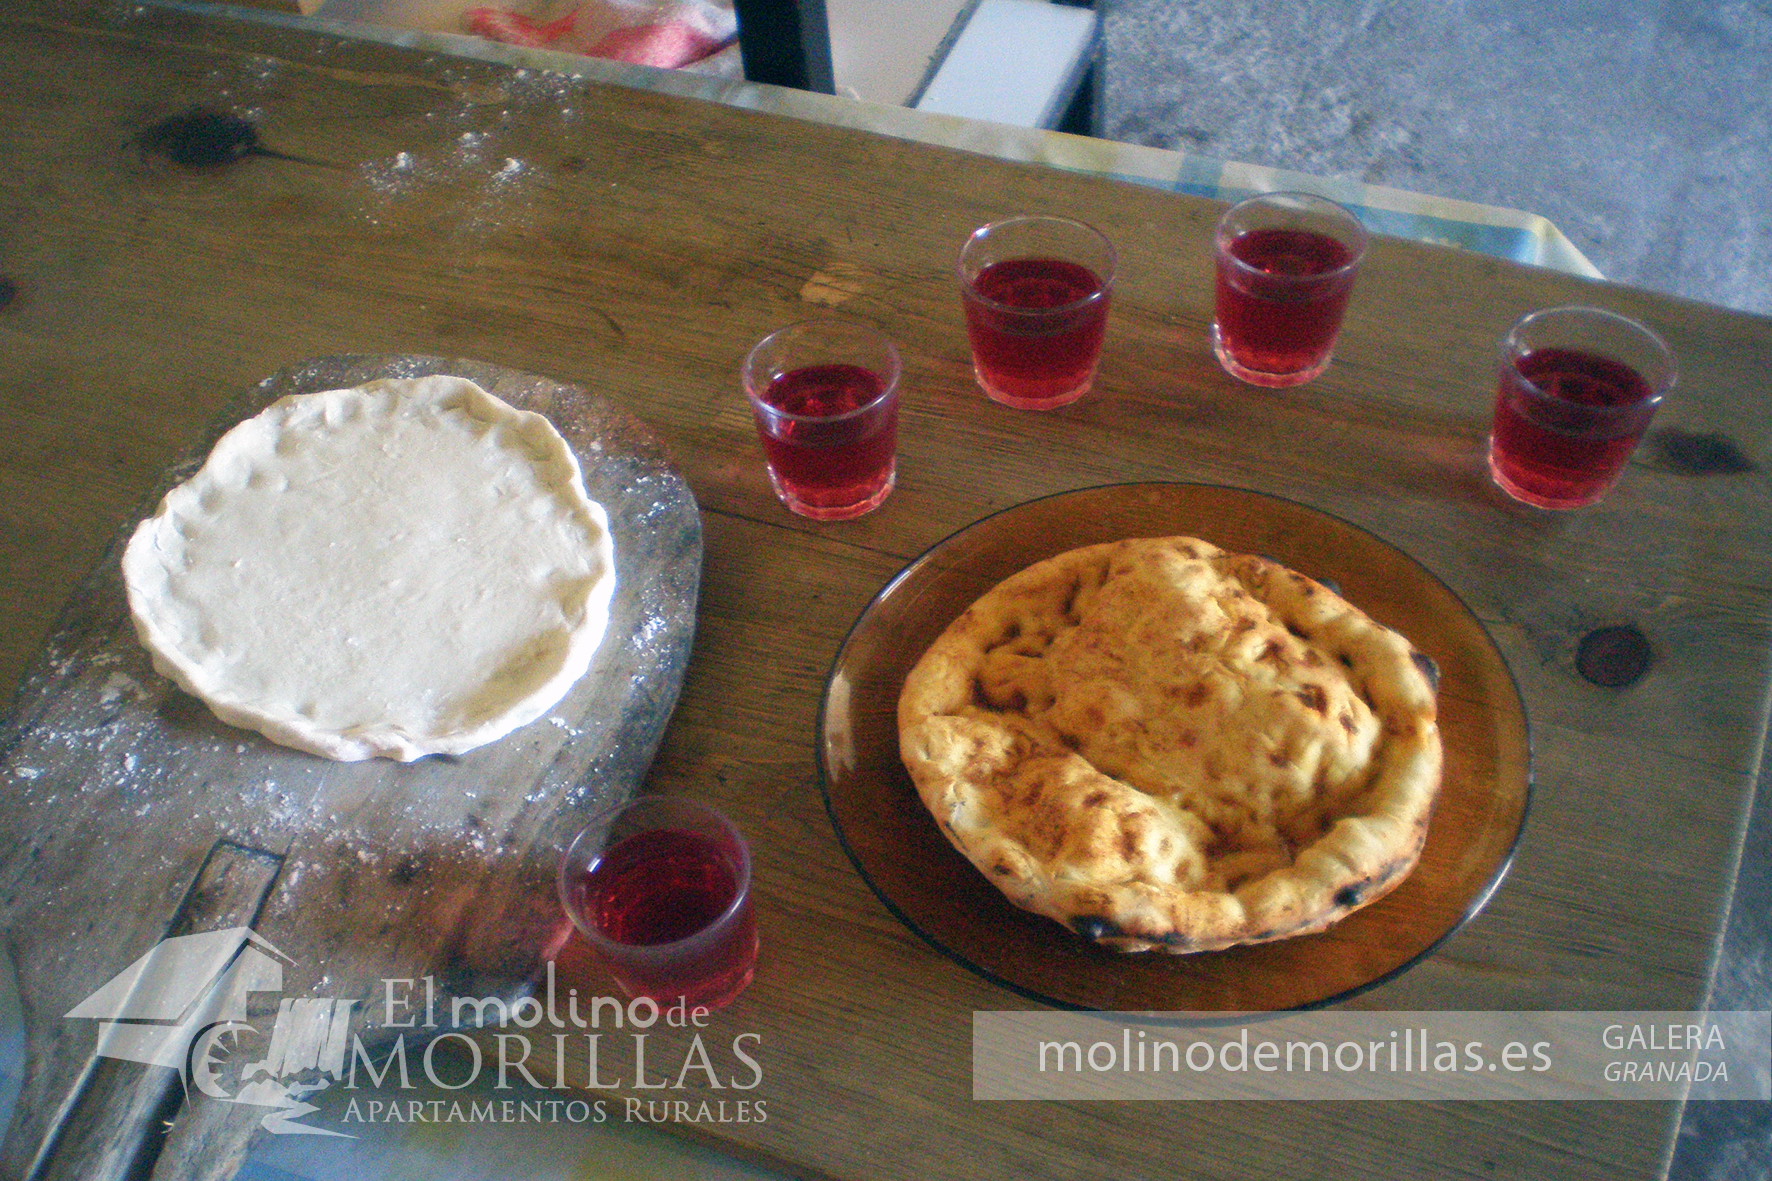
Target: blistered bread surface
(1164, 745)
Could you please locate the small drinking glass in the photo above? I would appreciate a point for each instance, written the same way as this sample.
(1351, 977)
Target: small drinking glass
(1577, 389)
(1035, 292)
(825, 397)
(660, 888)
(1286, 264)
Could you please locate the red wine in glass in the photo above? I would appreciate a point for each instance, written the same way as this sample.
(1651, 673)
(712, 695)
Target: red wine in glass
(1566, 420)
(830, 435)
(1036, 326)
(1281, 297)
(663, 898)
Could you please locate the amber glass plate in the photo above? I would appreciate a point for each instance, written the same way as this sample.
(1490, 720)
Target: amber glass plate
(939, 895)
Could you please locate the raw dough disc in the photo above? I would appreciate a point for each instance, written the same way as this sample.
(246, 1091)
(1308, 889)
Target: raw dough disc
(409, 567)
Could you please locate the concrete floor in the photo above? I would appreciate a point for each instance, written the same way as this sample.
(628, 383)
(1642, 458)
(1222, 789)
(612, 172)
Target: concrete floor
(1641, 128)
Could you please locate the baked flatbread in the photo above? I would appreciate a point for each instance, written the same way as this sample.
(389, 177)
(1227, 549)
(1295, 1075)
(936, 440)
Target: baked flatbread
(1164, 745)
(409, 567)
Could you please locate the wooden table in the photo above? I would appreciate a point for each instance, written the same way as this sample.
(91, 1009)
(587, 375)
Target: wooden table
(636, 244)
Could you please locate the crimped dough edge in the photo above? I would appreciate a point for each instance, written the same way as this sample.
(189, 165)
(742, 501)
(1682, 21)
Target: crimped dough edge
(172, 653)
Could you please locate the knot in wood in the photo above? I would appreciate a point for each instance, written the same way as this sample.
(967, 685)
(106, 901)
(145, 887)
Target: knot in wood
(1614, 657)
(201, 138)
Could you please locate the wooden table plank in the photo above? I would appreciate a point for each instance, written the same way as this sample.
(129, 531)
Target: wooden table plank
(637, 244)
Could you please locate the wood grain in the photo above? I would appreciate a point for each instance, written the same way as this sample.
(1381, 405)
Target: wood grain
(636, 247)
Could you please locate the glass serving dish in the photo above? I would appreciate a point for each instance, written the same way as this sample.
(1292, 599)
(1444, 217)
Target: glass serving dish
(937, 893)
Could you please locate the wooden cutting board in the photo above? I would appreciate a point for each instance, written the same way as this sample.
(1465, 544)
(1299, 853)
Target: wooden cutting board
(130, 814)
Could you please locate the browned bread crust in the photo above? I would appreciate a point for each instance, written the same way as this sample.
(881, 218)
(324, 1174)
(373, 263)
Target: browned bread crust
(1164, 745)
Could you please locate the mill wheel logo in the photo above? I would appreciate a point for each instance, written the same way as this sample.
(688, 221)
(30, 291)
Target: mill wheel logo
(183, 1005)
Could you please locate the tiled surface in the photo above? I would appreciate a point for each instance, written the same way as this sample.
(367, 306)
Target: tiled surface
(1016, 61)
(881, 50)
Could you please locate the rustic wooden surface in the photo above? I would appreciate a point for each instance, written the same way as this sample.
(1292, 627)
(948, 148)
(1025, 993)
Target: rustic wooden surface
(636, 245)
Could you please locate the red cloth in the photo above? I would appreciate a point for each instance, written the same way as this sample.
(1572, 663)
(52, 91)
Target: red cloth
(667, 45)
(513, 28)
(669, 34)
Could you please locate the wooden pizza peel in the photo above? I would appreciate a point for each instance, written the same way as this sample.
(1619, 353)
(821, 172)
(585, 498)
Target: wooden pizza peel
(130, 816)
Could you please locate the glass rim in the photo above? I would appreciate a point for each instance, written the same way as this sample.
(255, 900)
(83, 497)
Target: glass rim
(606, 819)
(1362, 236)
(1509, 352)
(844, 326)
(1098, 295)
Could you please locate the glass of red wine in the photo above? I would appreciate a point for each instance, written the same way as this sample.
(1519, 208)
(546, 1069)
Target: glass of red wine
(825, 397)
(1286, 264)
(1035, 291)
(1577, 389)
(660, 890)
